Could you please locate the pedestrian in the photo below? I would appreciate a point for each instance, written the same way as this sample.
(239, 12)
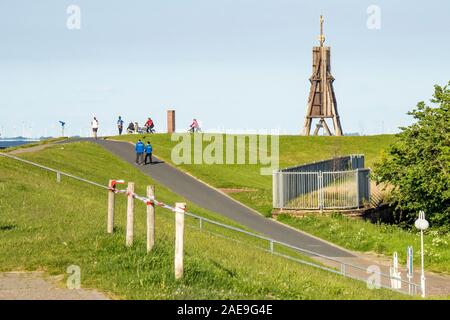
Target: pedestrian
(94, 125)
(139, 152)
(136, 128)
(148, 152)
(120, 125)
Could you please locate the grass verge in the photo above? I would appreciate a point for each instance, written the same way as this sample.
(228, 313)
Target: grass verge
(364, 236)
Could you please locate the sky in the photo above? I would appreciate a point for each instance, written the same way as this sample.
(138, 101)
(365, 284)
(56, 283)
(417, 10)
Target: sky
(232, 64)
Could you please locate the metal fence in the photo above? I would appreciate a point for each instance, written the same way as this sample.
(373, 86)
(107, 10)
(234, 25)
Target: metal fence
(302, 187)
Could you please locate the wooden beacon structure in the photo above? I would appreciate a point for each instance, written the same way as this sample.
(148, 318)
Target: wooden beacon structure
(322, 100)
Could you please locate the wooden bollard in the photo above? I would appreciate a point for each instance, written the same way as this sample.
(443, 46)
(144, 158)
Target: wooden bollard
(110, 223)
(150, 219)
(130, 214)
(179, 235)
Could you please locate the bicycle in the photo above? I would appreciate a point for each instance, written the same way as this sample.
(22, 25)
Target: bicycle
(150, 130)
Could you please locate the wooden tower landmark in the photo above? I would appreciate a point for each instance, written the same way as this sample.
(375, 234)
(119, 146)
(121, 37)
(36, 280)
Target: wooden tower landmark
(322, 100)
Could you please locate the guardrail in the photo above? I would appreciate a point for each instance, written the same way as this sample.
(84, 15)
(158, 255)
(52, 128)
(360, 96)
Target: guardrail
(337, 266)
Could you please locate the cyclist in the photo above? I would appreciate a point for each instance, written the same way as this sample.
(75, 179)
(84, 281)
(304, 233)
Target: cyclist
(149, 125)
(194, 127)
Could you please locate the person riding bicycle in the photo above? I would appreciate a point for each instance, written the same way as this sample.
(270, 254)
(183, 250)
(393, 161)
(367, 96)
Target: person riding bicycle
(194, 127)
(149, 125)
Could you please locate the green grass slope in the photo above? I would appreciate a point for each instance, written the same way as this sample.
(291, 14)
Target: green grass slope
(49, 226)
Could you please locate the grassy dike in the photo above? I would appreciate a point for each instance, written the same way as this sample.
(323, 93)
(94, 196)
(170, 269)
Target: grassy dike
(49, 226)
(349, 233)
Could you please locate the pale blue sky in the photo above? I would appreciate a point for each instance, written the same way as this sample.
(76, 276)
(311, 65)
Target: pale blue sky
(232, 64)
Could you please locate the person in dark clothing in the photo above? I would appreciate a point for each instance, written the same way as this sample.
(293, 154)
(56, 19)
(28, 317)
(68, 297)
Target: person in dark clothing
(130, 128)
(148, 153)
(139, 152)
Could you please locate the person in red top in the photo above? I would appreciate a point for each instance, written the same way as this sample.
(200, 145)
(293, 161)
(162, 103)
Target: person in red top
(149, 125)
(194, 127)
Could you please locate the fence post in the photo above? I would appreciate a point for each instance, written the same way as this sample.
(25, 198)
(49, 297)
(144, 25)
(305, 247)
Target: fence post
(150, 219)
(281, 195)
(358, 193)
(320, 191)
(275, 190)
(179, 235)
(58, 177)
(130, 214)
(110, 222)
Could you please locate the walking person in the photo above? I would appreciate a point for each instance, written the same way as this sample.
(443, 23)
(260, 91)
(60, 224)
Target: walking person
(139, 152)
(148, 153)
(120, 125)
(94, 125)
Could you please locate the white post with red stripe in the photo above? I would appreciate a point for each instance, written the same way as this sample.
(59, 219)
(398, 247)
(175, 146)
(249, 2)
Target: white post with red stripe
(111, 203)
(130, 214)
(179, 239)
(150, 218)
(111, 200)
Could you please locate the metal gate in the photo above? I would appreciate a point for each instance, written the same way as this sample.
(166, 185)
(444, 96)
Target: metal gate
(321, 190)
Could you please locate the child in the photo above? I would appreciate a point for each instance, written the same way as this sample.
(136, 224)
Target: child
(148, 152)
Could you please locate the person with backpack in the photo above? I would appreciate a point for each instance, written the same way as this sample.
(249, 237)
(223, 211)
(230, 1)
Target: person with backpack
(94, 125)
(120, 125)
(139, 152)
(148, 153)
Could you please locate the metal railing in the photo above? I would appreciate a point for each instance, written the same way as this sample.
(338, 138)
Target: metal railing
(339, 183)
(321, 190)
(272, 246)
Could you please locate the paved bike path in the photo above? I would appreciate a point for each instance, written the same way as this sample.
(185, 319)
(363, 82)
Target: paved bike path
(213, 200)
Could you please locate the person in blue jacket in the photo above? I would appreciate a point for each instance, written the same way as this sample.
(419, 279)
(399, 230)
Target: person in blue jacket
(139, 151)
(148, 152)
(120, 125)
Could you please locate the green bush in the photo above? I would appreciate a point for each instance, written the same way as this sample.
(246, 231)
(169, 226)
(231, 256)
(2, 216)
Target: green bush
(417, 164)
